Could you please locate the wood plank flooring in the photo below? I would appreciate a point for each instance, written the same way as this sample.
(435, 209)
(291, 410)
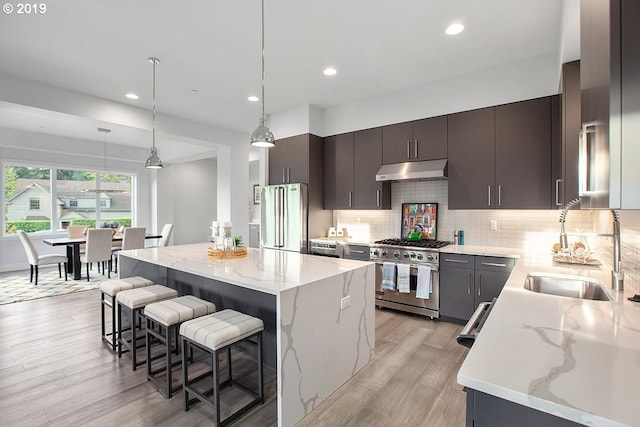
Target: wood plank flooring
(56, 371)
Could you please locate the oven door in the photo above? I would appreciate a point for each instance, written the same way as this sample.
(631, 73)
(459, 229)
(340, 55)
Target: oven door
(409, 302)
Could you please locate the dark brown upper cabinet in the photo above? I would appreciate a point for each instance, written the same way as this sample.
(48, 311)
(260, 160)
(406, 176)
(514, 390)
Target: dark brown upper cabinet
(293, 159)
(424, 139)
(500, 157)
(471, 159)
(369, 193)
(338, 171)
(523, 155)
(351, 161)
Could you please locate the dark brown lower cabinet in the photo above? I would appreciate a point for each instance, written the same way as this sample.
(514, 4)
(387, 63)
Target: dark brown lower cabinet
(468, 280)
(485, 410)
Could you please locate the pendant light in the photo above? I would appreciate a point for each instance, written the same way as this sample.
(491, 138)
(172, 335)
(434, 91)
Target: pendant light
(262, 136)
(154, 162)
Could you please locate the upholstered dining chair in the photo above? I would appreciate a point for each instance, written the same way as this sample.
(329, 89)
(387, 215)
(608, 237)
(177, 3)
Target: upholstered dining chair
(36, 260)
(132, 238)
(98, 248)
(167, 232)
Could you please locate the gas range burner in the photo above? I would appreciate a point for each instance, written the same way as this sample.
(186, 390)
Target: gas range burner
(430, 244)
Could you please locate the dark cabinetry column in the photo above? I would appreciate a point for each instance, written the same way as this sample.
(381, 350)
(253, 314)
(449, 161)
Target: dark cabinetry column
(523, 154)
(367, 160)
(471, 159)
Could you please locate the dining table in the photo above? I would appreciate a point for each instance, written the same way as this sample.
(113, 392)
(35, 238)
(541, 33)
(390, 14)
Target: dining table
(73, 249)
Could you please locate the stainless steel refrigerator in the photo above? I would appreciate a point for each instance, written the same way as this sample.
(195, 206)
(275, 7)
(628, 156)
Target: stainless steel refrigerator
(285, 217)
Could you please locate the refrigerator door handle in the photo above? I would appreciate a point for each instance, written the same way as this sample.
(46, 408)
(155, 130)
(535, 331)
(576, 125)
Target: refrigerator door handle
(280, 217)
(276, 216)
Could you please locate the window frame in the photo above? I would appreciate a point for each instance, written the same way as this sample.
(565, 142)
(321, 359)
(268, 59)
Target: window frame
(53, 171)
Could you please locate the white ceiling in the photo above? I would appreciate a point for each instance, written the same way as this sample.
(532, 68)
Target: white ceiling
(100, 48)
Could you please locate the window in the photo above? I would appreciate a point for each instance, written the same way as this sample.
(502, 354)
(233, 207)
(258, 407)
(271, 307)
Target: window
(84, 197)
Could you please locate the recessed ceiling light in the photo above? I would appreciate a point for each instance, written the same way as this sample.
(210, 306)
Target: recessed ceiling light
(253, 98)
(454, 29)
(330, 71)
(132, 96)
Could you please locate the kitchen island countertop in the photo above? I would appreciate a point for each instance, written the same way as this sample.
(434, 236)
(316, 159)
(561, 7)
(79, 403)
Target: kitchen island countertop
(573, 358)
(318, 312)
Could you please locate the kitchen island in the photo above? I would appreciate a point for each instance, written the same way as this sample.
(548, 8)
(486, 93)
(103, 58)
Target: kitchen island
(563, 360)
(314, 344)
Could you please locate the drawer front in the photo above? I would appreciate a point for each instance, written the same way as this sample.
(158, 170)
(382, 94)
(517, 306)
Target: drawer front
(357, 252)
(456, 261)
(490, 263)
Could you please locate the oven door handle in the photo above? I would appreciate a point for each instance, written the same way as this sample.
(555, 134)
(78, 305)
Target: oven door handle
(466, 337)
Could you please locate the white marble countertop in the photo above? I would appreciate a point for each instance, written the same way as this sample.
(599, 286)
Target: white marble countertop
(481, 250)
(266, 270)
(573, 358)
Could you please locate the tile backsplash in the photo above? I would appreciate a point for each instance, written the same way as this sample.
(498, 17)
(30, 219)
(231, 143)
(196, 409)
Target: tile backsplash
(525, 229)
(529, 230)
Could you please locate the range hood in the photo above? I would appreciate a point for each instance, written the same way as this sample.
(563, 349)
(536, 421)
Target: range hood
(429, 170)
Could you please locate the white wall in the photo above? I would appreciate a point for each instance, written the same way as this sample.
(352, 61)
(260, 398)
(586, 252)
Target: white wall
(188, 199)
(532, 78)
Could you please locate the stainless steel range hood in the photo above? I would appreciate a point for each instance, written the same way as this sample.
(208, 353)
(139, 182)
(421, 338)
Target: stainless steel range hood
(429, 170)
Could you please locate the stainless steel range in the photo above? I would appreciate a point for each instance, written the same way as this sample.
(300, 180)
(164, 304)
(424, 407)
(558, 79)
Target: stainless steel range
(414, 253)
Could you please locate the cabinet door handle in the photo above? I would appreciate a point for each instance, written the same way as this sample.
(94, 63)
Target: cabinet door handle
(499, 195)
(357, 252)
(288, 175)
(415, 150)
(378, 198)
(408, 150)
(469, 284)
(284, 176)
(493, 264)
(489, 195)
(350, 198)
(558, 203)
(480, 286)
(456, 260)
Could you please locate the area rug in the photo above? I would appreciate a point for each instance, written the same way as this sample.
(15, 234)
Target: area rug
(15, 286)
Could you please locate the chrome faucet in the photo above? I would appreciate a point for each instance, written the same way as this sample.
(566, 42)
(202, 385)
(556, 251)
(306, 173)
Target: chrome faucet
(617, 276)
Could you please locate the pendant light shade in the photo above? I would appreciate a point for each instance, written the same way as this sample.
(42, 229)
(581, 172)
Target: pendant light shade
(154, 162)
(262, 136)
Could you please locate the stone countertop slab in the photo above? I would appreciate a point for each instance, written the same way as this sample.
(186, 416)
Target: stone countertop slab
(573, 358)
(265, 270)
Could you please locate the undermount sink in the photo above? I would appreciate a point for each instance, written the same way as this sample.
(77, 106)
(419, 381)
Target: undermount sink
(566, 286)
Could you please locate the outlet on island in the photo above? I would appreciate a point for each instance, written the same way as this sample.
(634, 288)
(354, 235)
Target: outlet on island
(345, 302)
(493, 225)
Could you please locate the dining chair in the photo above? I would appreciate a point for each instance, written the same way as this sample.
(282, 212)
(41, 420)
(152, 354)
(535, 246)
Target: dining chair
(167, 232)
(98, 248)
(36, 260)
(132, 238)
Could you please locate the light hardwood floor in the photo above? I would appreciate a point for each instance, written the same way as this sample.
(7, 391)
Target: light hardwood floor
(55, 370)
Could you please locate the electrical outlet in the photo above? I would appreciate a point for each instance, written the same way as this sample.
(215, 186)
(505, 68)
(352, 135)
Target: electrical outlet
(345, 302)
(493, 225)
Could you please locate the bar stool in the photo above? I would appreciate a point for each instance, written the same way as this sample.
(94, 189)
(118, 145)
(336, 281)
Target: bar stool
(110, 288)
(168, 315)
(213, 334)
(134, 301)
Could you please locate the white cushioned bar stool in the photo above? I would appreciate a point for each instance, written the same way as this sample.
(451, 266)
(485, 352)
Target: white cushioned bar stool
(167, 316)
(110, 289)
(215, 333)
(134, 301)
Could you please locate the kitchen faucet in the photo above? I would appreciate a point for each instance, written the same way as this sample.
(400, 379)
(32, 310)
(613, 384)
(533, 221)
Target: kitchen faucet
(617, 276)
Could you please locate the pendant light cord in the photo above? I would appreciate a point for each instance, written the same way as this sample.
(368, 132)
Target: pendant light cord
(154, 61)
(262, 98)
